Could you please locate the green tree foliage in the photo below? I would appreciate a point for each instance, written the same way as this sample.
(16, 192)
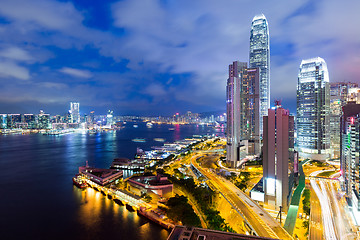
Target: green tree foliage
(245, 176)
(181, 210)
(306, 201)
(203, 196)
(241, 185)
(178, 174)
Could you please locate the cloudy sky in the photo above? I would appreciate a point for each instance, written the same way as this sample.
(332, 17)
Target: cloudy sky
(161, 56)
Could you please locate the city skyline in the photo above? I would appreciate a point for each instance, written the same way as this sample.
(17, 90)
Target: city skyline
(104, 57)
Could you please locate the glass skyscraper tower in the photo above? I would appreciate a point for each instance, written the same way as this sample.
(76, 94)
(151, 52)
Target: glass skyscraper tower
(313, 107)
(75, 112)
(260, 58)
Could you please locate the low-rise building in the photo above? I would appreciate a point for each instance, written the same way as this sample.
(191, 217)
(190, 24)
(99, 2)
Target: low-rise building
(127, 164)
(155, 186)
(101, 176)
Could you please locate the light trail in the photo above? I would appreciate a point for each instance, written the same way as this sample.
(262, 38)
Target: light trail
(339, 224)
(329, 230)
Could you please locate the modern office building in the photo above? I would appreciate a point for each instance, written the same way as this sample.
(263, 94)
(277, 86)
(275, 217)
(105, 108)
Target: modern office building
(109, 119)
(250, 107)
(29, 120)
(339, 93)
(242, 111)
(313, 107)
(13, 121)
(43, 120)
(350, 150)
(3, 121)
(259, 57)
(354, 95)
(74, 112)
(278, 157)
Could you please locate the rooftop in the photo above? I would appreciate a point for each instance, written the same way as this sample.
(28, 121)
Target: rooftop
(258, 17)
(151, 180)
(98, 172)
(194, 233)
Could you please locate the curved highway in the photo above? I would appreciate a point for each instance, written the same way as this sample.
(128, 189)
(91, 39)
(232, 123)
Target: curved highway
(260, 221)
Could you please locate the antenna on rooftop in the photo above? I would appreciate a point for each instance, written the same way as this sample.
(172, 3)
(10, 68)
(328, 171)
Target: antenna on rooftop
(277, 103)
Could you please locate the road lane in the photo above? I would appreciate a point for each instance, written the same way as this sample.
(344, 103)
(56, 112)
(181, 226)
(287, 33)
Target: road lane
(326, 213)
(315, 224)
(245, 206)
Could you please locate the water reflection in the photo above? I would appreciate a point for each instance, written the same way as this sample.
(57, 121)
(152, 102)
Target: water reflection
(96, 211)
(40, 167)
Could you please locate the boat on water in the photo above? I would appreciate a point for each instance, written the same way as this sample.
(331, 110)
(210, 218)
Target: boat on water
(171, 129)
(138, 140)
(149, 124)
(135, 126)
(159, 139)
(79, 181)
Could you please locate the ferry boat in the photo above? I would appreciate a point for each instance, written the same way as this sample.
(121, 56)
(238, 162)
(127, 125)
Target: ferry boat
(159, 139)
(138, 140)
(135, 126)
(149, 124)
(79, 181)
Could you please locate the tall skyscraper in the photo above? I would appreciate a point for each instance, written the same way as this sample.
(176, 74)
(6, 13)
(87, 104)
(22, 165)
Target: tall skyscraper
(260, 58)
(339, 92)
(13, 121)
(313, 103)
(278, 157)
(75, 112)
(43, 120)
(242, 112)
(109, 119)
(350, 150)
(30, 120)
(3, 121)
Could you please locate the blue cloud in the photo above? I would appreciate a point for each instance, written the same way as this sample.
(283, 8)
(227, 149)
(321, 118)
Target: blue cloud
(154, 56)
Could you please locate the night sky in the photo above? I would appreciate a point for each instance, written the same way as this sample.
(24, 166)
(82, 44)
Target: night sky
(150, 57)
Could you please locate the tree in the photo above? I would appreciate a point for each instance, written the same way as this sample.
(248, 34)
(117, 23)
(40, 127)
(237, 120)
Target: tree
(181, 210)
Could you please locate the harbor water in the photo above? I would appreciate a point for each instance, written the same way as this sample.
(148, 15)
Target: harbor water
(38, 200)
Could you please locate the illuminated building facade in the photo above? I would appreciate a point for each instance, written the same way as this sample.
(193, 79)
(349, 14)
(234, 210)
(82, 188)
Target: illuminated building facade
(259, 57)
(242, 111)
(350, 151)
(156, 186)
(43, 121)
(13, 120)
(3, 121)
(338, 98)
(74, 112)
(313, 103)
(109, 119)
(278, 157)
(29, 120)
